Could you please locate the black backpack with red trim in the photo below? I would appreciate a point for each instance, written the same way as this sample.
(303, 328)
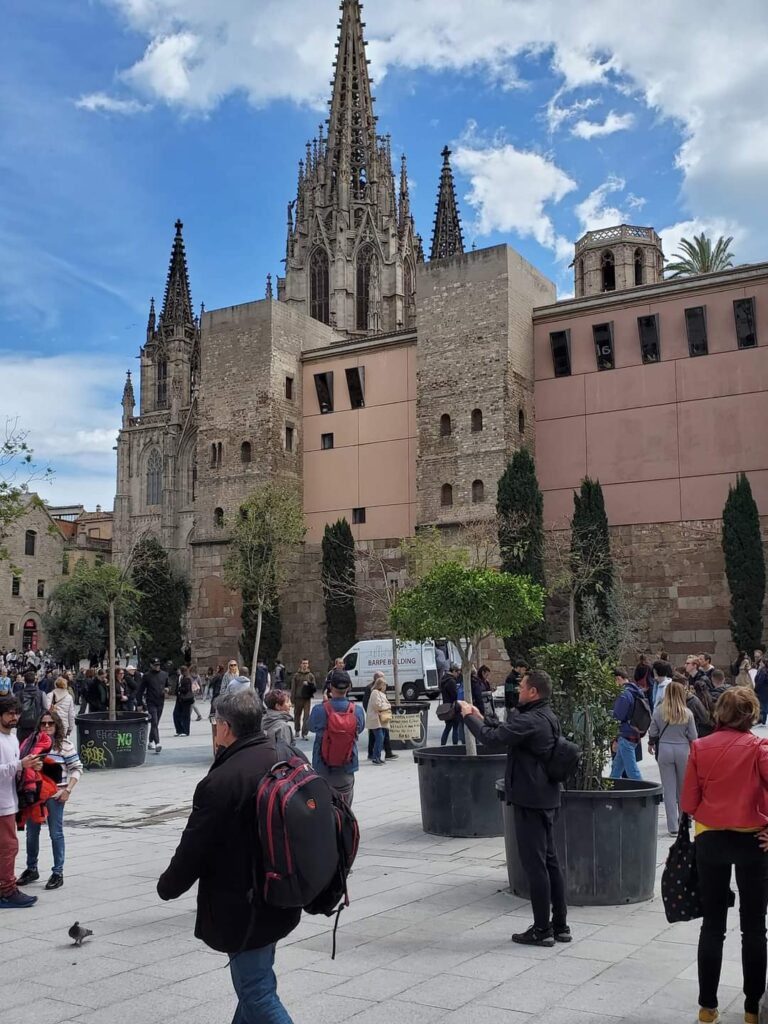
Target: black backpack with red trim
(309, 839)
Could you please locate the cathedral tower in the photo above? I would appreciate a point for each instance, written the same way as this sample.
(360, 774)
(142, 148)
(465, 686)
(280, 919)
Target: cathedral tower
(613, 259)
(352, 249)
(447, 240)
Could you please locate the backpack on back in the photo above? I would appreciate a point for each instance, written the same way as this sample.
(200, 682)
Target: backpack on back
(640, 717)
(31, 707)
(339, 737)
(309, 840)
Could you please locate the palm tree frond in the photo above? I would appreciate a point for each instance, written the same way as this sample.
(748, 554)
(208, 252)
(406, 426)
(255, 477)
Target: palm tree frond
(699, 256)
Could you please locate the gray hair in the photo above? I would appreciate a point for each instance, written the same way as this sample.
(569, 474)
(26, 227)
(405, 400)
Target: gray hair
(242, 711)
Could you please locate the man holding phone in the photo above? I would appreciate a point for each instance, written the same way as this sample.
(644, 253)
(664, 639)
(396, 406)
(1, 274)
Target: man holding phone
(11, 897)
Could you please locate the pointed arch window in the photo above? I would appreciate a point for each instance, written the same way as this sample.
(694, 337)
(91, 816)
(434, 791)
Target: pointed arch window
(521, 421)
(446, 496)
(639, 269)
(162, 383)
(194, 372)
(218, 518)
(445, 425)
(245, 452)
(477, 421)
(409, 293)
(478, 492)
(319, 287)
(580, 278)
(154, 477)
(608, 271)
(367, 288)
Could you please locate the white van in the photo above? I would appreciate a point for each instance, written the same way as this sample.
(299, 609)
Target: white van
(416, 666)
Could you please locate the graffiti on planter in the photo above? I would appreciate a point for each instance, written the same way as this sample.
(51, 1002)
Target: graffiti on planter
(95, 757)
(125, 741)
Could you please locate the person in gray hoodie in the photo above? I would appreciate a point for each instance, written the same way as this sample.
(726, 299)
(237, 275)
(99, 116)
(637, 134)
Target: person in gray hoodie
(278, 717)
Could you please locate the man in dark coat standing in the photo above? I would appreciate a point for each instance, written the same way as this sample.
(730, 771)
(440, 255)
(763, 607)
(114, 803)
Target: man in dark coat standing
(220, 849)
(528, 737)
(151, 693)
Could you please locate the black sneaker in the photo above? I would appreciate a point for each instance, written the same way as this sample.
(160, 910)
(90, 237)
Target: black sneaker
(17, 900)
(534, 937)
(392, 757)
(562, 933)
(30, 875)
(55, 881)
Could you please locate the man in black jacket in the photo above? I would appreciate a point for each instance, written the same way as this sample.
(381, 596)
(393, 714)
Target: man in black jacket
(220, 848)
(528, 737)
(151, 693)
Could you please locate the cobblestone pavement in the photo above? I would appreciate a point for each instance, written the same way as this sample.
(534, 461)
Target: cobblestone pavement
(427, 937)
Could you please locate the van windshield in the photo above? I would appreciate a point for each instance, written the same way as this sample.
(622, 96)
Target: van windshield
(350, 661)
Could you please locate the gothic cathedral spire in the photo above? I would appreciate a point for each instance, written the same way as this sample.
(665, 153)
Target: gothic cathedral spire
(177, 304)
(447, 240)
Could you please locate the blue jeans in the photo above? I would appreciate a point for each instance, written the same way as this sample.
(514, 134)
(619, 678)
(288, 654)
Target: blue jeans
(56, 831)
(626, 761)
(763, 698)
(253, 977)
(378, 743)
(457, 728)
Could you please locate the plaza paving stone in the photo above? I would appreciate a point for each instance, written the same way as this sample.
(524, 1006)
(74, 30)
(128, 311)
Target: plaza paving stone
(427, 938)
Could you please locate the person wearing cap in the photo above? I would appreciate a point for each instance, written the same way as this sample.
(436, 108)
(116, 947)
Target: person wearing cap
(339, 777)
(132, 685)
(152, 692)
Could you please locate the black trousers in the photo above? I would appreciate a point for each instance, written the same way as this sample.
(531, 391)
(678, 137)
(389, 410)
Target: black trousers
(536, 845)
(182, 716)
(716, 854)
(155, 714)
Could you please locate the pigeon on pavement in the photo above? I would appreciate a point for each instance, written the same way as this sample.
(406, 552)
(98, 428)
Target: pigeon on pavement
(78, 934)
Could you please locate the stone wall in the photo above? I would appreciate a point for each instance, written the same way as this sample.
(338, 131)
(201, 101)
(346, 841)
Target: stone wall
(45, 567)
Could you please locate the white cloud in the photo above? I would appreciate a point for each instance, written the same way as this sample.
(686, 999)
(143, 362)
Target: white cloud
(595, 129)
(596, 212)
(100, 102)
(713, 229)
(510, 190)
(558, 115)
(70, 405)
(660, 53)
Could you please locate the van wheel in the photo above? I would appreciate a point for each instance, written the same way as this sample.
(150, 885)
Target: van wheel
(410, 693)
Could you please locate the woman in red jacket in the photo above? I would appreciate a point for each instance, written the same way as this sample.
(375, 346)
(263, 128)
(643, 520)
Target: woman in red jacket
(724, 791)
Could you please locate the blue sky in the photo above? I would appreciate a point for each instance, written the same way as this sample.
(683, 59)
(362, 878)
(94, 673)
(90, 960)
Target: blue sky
(118, 116)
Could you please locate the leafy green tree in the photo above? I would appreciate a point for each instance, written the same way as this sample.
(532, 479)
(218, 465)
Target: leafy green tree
(700, 256)
(591, 561)
(744, 565)
(338, 576)
(164, 601)
(266, 532)
(520, 514)
(74, 630)
(466, 606)
(17, 471)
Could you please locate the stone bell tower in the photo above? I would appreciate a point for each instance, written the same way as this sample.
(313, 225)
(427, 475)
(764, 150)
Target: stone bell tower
(613, 259)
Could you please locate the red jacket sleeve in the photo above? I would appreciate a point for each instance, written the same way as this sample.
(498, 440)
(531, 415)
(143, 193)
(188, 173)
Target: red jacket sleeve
(690, 798)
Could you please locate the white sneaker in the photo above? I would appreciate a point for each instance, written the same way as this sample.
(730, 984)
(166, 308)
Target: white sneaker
(151, 744)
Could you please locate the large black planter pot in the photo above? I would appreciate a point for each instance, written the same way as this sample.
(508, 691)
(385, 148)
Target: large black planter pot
(408, 728)
(457, 792)
(606, 844)
(105, 743)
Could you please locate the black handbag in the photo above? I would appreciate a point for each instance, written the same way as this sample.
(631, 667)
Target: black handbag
(446, 712)
(680, 880)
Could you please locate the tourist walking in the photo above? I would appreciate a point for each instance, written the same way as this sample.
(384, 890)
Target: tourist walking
(512, 685)
(223, 818)
(62, 702)
(303, 688)
(31, 705)
(724, 791)
(625, 761)
(197, 691)
(744, 678)
(670, 736)
(185, 699)
(233, 672)
(388, 753)
(63, 766)
(698, 703)
(11, 897)
(337, 723)
(452, 691)
(152, 694)
(378, 717)
(528, 737)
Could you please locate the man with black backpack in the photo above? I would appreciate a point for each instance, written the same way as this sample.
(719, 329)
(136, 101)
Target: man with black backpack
(31, 704)
(233, 916)
(337, 723)
(531, 737)
(633, 713)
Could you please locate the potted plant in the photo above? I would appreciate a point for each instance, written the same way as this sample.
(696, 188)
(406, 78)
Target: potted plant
(465, 605)
(606, 830)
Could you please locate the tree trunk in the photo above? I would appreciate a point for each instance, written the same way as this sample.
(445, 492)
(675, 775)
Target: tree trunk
(396, 673)
(112, 690)
(572, 616)
(257, 644)
(466, 672)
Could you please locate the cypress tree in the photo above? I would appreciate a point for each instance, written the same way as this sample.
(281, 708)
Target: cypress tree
(163, 602)
(591, 562)
(520, 509)
(744, 565)
(338, 576)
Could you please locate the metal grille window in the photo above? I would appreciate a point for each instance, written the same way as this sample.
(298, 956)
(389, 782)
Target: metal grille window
(561, 352)
(746, 324)
(650, 342)
(603, 336)
(696, 329)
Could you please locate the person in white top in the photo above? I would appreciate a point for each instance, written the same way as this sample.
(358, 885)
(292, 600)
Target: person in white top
(378, 717)
(61, 700)
(11, 897)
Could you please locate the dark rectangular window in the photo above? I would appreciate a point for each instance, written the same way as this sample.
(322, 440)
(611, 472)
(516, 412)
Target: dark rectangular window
(561, 352)
(11, 628)
(324, 389)
(162, 384)
(603, 335)
(289, 439)
(650, 346)
(289, 388)
(356, 385)
(746, 324)
(15, 586)
(358, 516)
(326, 442)
(65, 564)
(696, 329)
(41, 588)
